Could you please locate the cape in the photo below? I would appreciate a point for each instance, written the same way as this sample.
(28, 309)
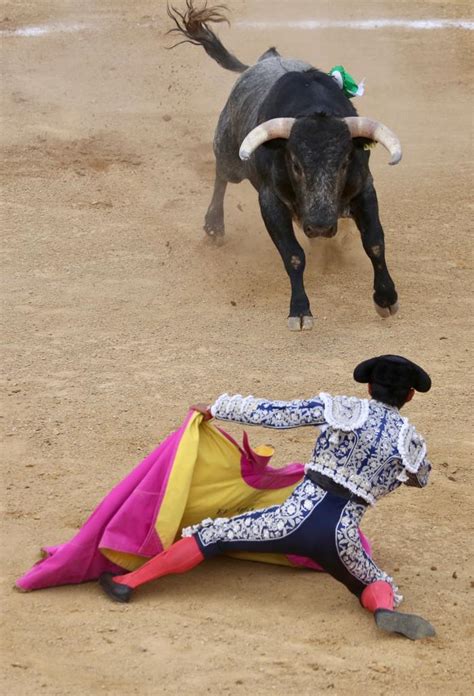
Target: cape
(198, 471)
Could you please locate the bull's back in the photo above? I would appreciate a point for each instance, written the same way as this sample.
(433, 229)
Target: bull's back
(240, 113)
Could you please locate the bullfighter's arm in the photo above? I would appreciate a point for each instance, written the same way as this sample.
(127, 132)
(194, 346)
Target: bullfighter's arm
(269, 414)
(412, 448)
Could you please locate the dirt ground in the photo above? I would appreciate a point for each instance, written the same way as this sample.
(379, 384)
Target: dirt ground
(118, 314)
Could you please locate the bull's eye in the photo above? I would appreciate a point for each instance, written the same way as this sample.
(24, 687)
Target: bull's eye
(296, 167)
(344, 166)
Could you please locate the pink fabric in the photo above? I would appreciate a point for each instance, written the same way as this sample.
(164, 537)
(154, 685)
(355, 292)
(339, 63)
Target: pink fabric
(125, 519)
(305, 562)
(257, 474)
(256, 471)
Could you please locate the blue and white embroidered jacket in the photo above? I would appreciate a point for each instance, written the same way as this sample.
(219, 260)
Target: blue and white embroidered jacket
(364, 445)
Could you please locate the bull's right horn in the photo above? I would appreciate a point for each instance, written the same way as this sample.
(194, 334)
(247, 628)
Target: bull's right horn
(362, 127)
(269, 130)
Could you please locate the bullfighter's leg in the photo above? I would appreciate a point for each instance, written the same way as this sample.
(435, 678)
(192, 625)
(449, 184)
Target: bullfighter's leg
(214, 220)
(273, 529)
(310, 522)
(324, 527)
(279, 224)
(364, 209)
(338, 549)
(180, 557)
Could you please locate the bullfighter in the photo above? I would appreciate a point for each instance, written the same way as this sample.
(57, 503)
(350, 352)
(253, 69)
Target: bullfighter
(364, 451)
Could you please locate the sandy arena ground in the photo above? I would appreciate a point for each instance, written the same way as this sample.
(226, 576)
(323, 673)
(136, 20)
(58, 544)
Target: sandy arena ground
(118, 314)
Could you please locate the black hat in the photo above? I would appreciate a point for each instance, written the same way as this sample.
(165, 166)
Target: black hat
(393, 370)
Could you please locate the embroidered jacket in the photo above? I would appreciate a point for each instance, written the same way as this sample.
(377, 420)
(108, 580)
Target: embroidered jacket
(364, 445)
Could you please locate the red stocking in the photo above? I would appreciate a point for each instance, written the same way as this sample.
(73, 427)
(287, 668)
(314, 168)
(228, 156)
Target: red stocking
(377, 595)
(180, 557)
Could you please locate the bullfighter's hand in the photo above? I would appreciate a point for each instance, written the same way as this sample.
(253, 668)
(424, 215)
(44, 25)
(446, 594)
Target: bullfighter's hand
(205, 409)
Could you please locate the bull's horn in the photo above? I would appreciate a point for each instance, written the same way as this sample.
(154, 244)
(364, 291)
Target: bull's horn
(274, 128)
(361, 127)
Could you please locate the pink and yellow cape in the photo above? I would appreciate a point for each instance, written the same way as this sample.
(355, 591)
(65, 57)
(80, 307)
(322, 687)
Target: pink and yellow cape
(199, 471)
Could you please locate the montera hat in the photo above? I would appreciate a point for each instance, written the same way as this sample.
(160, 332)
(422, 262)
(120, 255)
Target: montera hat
(393, 371)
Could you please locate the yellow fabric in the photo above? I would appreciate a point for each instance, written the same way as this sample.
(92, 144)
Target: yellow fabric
(206, 481)
(129, 561)
(179, 485)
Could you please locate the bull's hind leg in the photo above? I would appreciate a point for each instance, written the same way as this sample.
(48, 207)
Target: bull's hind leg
(214, 220)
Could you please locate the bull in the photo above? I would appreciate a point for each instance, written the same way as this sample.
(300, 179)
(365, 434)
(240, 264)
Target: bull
(290, 130)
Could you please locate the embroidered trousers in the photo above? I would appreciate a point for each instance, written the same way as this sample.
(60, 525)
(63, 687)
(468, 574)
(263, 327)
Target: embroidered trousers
(311, 522)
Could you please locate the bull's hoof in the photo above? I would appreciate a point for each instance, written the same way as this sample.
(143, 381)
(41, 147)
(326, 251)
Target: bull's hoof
(409, 625)
(389, 311)
(305, 323)
(216, 239)
(214, 228)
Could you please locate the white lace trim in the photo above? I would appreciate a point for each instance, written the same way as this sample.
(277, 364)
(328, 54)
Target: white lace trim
(342, 480)
(412, 447)
(402, 476)
(271, 523)
(271, 414)
(229, 403)
(345, 413)
(216, 404)
(351, 552)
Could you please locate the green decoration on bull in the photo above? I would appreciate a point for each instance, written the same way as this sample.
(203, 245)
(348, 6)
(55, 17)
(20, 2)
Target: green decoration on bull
(346, 82)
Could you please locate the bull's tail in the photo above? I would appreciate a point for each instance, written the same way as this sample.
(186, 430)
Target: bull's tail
(194, 25)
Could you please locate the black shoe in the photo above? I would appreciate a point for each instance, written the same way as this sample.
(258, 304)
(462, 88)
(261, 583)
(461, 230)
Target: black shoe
(410, 625)
(115, 590)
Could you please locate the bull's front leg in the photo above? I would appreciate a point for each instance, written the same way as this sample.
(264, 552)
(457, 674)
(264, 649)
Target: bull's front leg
(365, 211)
(279, 224)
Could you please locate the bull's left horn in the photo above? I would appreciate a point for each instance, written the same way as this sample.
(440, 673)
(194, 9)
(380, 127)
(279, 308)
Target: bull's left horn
(274, 128)
(361, 127)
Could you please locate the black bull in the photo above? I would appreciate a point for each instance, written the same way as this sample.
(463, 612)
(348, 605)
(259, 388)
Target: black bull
(315, 174)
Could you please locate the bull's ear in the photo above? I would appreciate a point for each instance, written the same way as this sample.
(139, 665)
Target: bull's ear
(363, 143)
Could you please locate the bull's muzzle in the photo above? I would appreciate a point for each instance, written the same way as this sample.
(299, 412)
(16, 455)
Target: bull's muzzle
(313, 231)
